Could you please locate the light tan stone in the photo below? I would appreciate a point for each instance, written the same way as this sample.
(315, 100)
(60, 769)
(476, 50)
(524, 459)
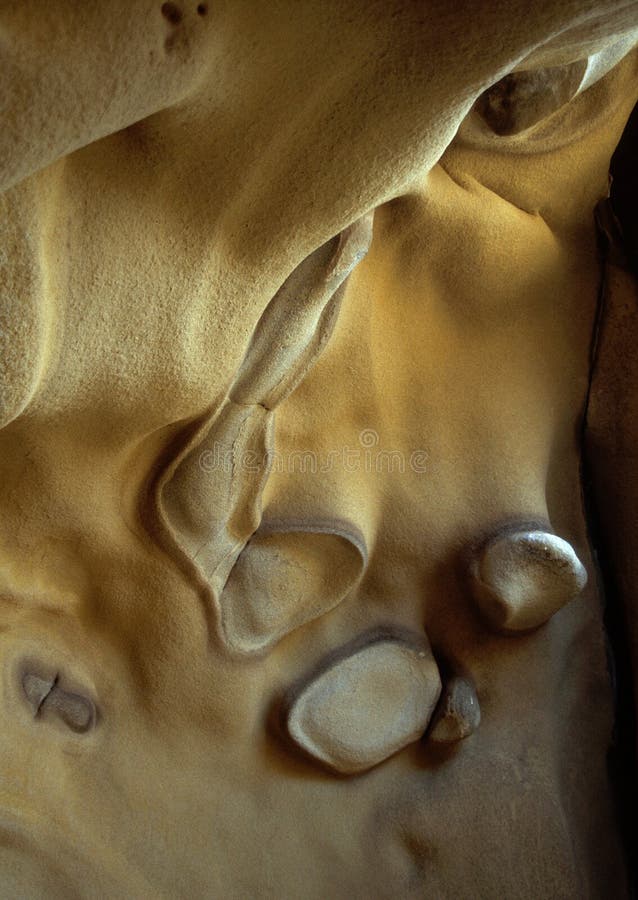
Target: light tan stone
(521, 578)
(366, 706)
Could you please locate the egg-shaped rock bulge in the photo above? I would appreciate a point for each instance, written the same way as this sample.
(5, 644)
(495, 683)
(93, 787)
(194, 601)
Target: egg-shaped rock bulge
(367, 705)
(520, 579)
(458, 714)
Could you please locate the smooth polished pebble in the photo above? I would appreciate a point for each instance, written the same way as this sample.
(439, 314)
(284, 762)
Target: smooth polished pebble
(366, 706)
(521, 579)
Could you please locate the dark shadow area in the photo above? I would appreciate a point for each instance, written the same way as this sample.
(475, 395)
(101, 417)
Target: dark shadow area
(623, 754)
(624, 188)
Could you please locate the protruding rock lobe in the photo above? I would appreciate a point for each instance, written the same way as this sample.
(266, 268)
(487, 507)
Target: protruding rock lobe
(49, 700)
(287, 575)
(520, 579)
(77, 712)
(210, 501)
(36, 689)
(458, 714)
(367, 705)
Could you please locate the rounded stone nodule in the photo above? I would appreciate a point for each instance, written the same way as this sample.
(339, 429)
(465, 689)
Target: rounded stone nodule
(520, 579)
(458, 713)
(36, 689)
(367, 705)
(77, 712)
(48, 700)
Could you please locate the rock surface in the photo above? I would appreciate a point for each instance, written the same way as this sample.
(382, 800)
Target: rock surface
(458, 714)
(520, 579)
(185, 187)
(366, 706)
(49, 699)
(286, 577)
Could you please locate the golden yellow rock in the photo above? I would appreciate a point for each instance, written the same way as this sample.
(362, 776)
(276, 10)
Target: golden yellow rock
(286, 325)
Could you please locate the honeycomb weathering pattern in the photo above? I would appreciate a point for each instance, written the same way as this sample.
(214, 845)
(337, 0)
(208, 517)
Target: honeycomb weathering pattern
(272, 232)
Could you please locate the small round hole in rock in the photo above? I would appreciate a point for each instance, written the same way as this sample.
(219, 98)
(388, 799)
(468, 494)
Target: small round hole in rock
(172, 13)
(202, 9)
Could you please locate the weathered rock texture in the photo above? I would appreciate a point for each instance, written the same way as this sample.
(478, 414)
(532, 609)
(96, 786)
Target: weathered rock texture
(297, 308)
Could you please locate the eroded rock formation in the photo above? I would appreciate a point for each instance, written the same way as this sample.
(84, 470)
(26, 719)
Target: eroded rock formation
(316, 420)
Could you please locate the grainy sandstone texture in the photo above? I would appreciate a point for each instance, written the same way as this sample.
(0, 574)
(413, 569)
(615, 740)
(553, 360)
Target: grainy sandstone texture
(317, 415)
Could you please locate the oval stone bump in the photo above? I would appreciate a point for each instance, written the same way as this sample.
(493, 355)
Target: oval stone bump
(36, 689)
(521, 579)
(288, 574)
(367, 705)
(47, 699)
(77, 712)
(458, 714)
